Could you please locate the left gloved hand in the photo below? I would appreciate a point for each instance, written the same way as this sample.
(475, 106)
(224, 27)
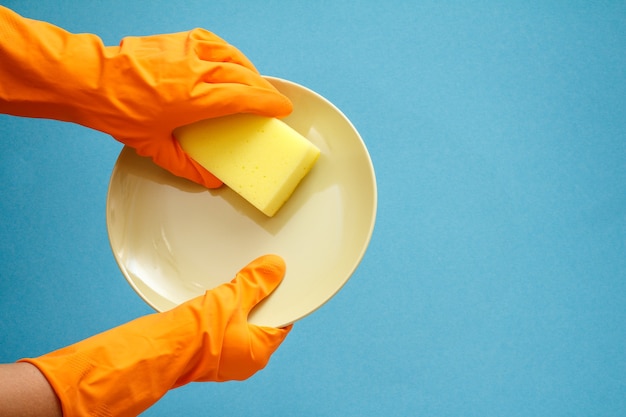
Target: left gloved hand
(138, 92)
(125, 370)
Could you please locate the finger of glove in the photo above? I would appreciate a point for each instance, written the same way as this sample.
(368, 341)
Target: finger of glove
(210, 47)
(229, 73)
(190, 169)
(232, 80)
(262, 343)
(175, 160)
(258, 279)
(216, 100)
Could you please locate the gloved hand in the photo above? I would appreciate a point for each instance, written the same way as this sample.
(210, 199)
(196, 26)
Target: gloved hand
(123, 371)
(138, 92)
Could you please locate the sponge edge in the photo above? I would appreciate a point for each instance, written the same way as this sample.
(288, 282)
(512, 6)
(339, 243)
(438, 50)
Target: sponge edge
(262, 159)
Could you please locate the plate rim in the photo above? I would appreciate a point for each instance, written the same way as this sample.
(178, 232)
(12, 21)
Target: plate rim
(357, 260)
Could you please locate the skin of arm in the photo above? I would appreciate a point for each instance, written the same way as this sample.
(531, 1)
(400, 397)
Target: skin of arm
(25, 392)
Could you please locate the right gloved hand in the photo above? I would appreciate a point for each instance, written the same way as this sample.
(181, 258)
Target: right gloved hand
(138, 92)
(125, 370)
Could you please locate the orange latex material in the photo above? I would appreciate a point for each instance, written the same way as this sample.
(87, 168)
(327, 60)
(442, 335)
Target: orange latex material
(123, 371)
(138, 92)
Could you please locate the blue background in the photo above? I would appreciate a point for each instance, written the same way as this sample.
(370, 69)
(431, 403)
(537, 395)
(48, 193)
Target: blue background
(495, 282)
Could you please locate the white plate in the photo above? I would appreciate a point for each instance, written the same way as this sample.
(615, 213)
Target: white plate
(173, 239)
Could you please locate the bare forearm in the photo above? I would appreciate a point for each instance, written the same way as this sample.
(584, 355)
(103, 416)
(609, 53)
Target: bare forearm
(24, 392)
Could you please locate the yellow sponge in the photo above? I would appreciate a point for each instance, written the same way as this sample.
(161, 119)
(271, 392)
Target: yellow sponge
(260, 158)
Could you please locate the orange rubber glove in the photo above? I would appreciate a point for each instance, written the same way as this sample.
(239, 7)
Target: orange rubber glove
(138, 92)
(125, 370)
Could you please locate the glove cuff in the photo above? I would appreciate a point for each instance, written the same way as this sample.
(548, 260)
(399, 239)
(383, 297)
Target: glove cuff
(46, 70)
(123, 371)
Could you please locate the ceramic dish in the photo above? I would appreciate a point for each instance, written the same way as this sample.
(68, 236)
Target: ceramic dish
(173, 239)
